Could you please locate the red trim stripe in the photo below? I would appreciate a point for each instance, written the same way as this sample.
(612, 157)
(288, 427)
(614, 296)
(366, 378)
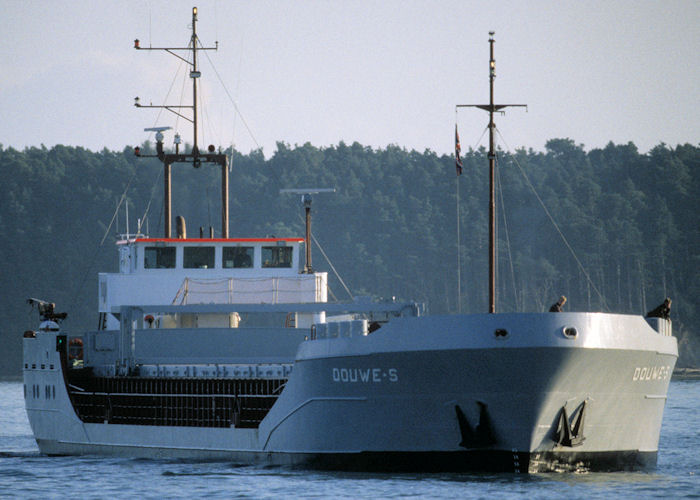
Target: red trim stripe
(215, 240)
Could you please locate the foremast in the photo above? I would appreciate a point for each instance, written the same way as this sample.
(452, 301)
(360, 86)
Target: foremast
(491, 108)
(194, 156)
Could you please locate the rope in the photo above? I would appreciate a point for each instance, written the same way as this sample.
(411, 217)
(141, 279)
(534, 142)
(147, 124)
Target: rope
(74, 298)
(332, 267)
(182, 92)
(116, 211)
(233, 101)
(459, 238)
(233, 128)
(556, 226)
(205, 120)
(337, 275)
(150, 200)
(459, 254)
(505, 226)
(170, 89)
(482, 136)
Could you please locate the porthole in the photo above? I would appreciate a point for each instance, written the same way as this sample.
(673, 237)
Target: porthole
(569, 332)
(500, 333)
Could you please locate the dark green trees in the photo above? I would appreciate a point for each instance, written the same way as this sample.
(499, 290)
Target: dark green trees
(619, 230)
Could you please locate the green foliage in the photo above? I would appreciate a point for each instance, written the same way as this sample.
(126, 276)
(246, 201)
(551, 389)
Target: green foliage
(390, 229)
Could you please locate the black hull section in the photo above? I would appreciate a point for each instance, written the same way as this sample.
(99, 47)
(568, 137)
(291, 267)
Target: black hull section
(185, 402)
(483, 461)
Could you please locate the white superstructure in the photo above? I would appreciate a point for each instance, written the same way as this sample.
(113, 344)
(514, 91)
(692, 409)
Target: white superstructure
(157, 271)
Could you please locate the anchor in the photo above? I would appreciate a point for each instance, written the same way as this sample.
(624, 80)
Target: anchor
(480, 437)
(566, 435)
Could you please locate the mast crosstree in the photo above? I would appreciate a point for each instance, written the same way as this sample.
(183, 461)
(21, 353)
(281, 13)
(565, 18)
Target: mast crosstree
(491, 108)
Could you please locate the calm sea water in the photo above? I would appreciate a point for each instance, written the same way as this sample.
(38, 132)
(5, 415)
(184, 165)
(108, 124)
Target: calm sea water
(26, 474)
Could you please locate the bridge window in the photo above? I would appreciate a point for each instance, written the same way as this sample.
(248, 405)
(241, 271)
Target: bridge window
(277, 256)
(159, 258)
(198, 258)
(237, 257)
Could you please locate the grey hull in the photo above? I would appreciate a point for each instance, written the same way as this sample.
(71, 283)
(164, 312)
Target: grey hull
(431, 394)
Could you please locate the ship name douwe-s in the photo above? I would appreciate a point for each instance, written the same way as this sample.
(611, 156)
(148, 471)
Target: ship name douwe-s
(651, 373)
(366, 375)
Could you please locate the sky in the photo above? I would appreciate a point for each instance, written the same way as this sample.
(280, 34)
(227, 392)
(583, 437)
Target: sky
(378, 72)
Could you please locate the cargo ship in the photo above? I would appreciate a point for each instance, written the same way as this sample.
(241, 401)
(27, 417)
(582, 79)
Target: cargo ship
(228, 348)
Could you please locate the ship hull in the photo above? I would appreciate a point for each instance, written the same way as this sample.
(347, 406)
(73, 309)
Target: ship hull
(422, 394)
(493, 461)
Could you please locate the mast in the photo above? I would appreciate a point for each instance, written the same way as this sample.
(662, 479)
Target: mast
(194, 156)
(491, 108)
(194, 74)
(306, 201)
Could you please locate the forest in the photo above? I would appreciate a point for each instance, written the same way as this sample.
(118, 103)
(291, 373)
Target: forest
(613, 229)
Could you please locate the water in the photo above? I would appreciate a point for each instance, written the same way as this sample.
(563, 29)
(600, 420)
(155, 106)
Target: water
(26, 474)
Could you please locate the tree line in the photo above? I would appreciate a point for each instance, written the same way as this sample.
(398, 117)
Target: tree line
(613, 229)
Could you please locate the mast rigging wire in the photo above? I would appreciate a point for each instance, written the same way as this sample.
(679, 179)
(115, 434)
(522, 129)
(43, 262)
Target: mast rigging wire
(459, 237)
(549, 216)
(480, 138)
(335, 271)
(74, 298)
(505, 227)
(459, 254)
(238, 85)
(116, 210)
(150, 199)
(556, 226)
(207, 122)
(233, 102)
(182, 92)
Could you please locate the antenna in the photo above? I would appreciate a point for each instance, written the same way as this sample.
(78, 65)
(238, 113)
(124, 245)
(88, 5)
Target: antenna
(306, 201)
(159, 132)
